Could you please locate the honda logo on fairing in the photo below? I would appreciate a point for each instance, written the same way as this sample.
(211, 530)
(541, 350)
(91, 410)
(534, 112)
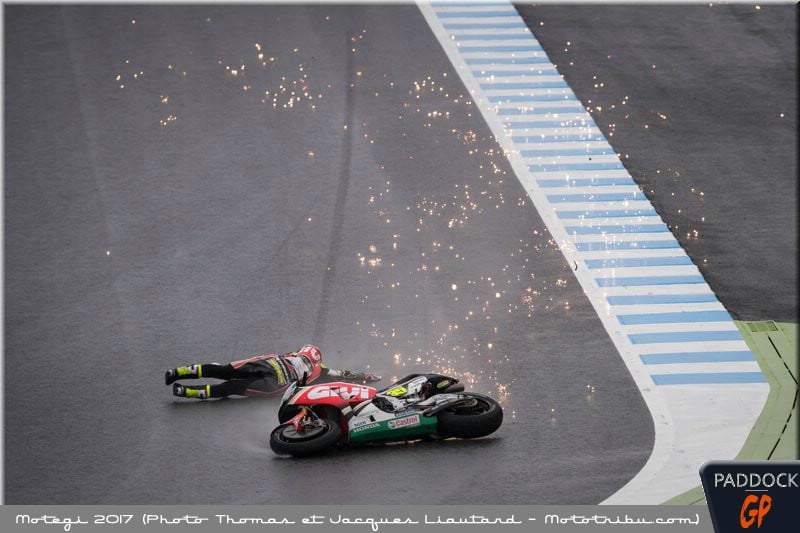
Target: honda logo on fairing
(364, 427)
(343, 392)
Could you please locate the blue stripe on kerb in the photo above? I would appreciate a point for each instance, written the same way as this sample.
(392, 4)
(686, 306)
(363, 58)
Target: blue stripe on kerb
(520, 74)
(625, 245)
(649, 280)
(503, 85)
(599, 197)
(469, 4)
(491, 37)
(625, 262)
(708, 378)
(674, 318)
(566, 152)
(684, 336)
(475, 14)
(556, 167)
(585, 182)
(504, 48)
(546, 111)
(522, 98)
(655, 299)
(624, 228)
(557, 138)
(555, 122)
(485, 26)
(542, 60)
(608, 213)
(696, 357)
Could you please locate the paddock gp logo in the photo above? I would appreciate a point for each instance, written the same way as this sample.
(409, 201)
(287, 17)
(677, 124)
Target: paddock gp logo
(749, 514)
(758, 496)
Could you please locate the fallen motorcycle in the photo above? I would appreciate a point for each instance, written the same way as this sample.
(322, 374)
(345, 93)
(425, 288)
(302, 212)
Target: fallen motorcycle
(317, 417)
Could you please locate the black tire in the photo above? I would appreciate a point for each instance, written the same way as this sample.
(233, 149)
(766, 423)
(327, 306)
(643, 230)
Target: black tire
(284, 440)
(472, 421)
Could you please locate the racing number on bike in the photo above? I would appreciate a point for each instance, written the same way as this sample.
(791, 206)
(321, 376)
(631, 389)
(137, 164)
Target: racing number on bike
(397, 391)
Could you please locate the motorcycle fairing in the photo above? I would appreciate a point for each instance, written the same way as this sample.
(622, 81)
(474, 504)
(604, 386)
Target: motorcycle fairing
(383, 426)
(374, 424)
(337, 393)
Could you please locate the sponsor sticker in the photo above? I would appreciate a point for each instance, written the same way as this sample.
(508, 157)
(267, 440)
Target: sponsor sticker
(408, 421)
(346, 393)
(358, 423)
(415, 384)
(364, 427)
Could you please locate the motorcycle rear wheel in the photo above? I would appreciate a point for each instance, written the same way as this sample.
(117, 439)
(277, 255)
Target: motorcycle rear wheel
(478, 419)
(285, 440)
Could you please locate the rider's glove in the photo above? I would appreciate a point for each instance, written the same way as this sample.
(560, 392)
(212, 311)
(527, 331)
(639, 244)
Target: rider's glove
(369, 378)
(346, 374)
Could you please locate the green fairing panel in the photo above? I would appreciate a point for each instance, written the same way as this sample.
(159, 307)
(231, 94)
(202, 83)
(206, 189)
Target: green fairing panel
(400, 428)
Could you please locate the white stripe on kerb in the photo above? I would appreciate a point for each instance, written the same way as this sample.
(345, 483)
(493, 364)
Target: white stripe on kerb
(693, 423)
(692, 368)
(575, 156)
(666, 308)
(682, 326)
(694, 288)
(675, 347)
(521, 78)
(529, 110)
(680, 270)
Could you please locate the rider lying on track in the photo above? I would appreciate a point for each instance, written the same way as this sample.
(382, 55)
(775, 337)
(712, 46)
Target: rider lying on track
(260, 376)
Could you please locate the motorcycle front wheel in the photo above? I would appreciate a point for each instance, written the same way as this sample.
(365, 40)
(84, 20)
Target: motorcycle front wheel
(286, 440)
(478, 418)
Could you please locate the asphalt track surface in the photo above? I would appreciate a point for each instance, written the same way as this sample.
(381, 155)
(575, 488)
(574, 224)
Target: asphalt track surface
(708, 129)
(135, 242)
(239, 228)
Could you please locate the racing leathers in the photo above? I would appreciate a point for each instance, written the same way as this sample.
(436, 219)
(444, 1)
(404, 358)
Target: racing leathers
(259, 376)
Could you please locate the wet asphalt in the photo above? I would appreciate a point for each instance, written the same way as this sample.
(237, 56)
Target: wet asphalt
(170, 201)
(701, 101)
(193, 210)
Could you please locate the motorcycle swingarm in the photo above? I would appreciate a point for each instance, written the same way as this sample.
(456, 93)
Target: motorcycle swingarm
(446, 405)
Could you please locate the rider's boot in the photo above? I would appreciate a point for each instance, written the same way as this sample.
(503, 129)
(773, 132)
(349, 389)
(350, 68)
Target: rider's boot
(183, 372)
(201, 392)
